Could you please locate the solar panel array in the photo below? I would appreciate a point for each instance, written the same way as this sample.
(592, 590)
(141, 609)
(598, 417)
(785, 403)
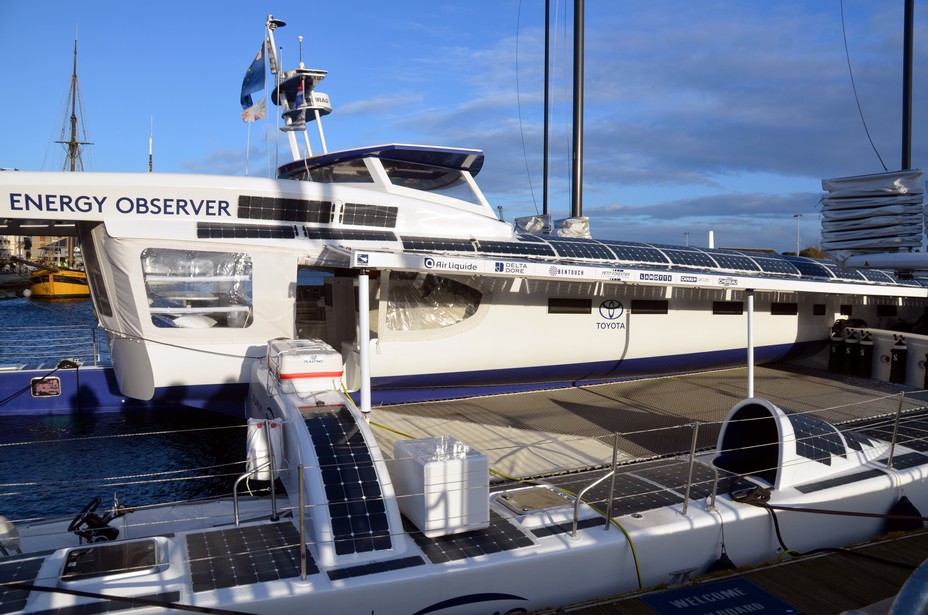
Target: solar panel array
(356, 504)
(816, 439)
(284, 209)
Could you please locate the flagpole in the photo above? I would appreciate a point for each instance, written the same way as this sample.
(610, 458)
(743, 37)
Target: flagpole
(247, 147)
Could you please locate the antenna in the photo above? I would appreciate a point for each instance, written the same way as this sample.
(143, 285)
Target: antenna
(151, 131)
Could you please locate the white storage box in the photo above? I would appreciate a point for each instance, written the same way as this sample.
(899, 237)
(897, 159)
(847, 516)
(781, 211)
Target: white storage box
(305, 365)
(443, 485)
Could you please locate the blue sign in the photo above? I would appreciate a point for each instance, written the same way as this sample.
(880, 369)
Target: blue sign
(728, 597)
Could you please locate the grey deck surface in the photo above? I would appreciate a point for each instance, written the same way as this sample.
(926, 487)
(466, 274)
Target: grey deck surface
(541, 433)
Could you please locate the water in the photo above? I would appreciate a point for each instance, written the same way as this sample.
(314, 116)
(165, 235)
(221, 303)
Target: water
(53, 465)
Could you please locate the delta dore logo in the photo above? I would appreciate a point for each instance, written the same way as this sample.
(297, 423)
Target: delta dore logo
(517, 268)
(433, 263)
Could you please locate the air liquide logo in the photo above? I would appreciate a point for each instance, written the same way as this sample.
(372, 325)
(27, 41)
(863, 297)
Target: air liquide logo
(434, 263)
(611, 310)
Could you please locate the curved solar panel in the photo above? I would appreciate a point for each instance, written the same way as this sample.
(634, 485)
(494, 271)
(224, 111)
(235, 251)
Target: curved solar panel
(733, 260)
(515, 248)
(816, 439)
(809, 267)
(875, 275)
(690, 258)
(775, 265)
(438, 244)
(850, 275)
(590, 250)
(636, 252)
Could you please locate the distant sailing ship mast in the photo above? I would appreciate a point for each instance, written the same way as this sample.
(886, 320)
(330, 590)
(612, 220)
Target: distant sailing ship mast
(73, 146)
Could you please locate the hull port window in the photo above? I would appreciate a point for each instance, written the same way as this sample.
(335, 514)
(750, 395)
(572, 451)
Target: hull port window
(198, 289)
(420, 301)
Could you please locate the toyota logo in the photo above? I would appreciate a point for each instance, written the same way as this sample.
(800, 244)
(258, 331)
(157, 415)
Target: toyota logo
(610, 309)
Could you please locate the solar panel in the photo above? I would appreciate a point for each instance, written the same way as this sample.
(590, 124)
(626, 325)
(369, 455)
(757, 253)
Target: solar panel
(501, 535)
(844, 274)
(857, 440)
(359, 214)
(245, 555)
(437, 244)
(733, 260)
(582, 249)
(875, 275)
(690, 258)
(515, 248)
(771, 264)
(356, 506)
(18, 569)
(816, 439)
(347, 234)
(636, 252)
(285, 209)
(809, 268)
(218, 230)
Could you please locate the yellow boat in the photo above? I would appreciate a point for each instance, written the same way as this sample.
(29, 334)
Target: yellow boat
(59, 284)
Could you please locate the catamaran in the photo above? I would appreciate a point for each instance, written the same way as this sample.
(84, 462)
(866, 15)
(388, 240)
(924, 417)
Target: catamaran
(192, 274)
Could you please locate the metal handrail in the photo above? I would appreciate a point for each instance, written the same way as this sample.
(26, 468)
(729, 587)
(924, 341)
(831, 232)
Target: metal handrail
(267, 464)
(579, 499)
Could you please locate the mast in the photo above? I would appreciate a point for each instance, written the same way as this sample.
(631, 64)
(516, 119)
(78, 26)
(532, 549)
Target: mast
(907, 85)
(576, 201)
(544, 189)
(73, 162)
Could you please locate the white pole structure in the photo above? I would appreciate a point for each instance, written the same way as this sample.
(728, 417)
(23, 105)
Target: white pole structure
(364, 340)
(750, 293)
(798, 240)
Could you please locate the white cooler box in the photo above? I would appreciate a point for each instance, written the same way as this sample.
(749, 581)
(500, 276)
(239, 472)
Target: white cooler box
(443, 486)
(305, 365)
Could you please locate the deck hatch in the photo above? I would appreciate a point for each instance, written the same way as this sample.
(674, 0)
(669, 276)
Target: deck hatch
(245, 555)
(355, 500)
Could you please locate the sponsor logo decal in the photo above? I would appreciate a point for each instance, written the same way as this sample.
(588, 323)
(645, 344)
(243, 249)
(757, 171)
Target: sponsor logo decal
(728, 281)
(655, 277)
(436, 263)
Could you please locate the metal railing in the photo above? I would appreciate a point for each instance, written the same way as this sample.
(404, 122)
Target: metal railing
(48, 345)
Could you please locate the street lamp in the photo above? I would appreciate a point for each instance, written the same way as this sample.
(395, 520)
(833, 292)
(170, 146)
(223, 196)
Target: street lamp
(797, 216)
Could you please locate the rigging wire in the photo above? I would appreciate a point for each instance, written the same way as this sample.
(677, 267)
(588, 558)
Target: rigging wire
(850, 71)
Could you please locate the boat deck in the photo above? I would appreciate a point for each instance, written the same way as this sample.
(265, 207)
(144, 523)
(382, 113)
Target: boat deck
(551, 432)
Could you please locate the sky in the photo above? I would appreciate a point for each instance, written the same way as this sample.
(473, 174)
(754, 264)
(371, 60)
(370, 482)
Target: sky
(717, 115)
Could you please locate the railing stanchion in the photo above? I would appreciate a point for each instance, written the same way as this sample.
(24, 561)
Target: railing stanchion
(689, 479)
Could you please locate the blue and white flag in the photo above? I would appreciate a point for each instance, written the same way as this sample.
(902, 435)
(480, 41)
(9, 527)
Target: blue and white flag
(254, 79)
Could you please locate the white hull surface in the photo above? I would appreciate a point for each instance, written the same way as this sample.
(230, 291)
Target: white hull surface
(424, 532)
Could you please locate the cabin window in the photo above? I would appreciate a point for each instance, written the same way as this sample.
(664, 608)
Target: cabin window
(101, 299)
(886, 310)
(353, 171)
(197, 289)
(818, 309)
(649, 306)
(420, 301)
(847, 309)
(569, 306)
(734, 308)
(438, 180)
(779, 308)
